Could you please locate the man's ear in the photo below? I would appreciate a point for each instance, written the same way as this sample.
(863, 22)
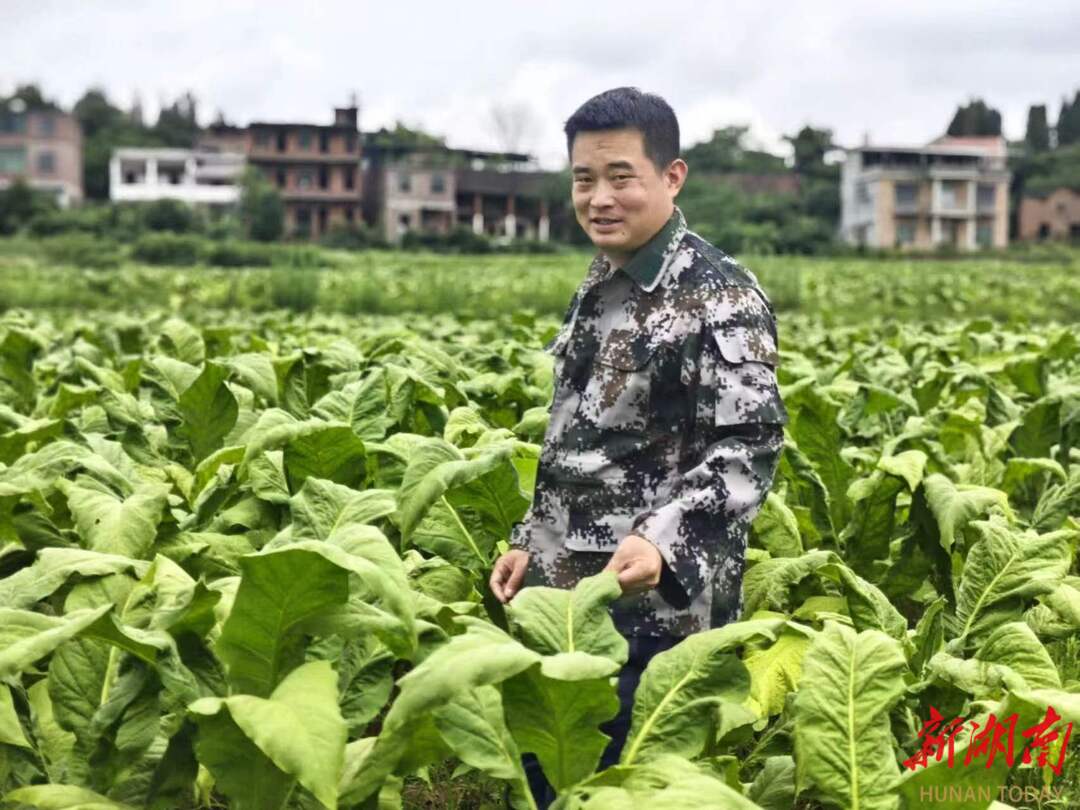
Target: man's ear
(675, 175)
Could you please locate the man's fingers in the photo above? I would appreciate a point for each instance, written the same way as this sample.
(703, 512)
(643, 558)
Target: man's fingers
(517, 574)
(499, 574)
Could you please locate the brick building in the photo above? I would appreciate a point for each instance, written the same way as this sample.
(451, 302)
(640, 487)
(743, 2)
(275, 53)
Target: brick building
(315, 167)
(434, 188)
(43, 147)
(1054, 214)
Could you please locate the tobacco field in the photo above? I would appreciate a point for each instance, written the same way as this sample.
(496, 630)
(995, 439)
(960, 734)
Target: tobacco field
(244, 555)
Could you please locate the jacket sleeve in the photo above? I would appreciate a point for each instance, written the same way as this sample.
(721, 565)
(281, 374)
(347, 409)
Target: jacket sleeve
(734, 449)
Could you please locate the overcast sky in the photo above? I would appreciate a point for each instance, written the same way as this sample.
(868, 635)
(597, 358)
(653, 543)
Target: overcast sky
(893, 70)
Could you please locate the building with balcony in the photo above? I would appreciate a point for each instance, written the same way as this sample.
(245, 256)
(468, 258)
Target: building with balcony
(953, 191)
(189, 175)
(1050, 214)
(44, 148)
(315, 167)
(434, 188)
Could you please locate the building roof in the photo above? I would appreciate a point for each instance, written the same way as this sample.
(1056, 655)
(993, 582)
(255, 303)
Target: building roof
(975, 146)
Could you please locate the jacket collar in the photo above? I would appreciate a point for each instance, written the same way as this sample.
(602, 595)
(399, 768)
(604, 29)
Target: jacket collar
(647, 265)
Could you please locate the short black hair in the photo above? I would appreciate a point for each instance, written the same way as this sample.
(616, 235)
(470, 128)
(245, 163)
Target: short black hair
(628, 107)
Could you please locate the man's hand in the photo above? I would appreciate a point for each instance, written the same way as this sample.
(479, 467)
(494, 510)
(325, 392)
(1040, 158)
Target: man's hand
(638, 564)
(508, 573)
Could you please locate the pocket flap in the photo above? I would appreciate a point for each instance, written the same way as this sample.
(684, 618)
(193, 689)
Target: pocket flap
(626, 350)
(740, 344)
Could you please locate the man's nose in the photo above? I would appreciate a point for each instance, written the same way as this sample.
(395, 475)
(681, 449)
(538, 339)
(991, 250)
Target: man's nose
(603, 196)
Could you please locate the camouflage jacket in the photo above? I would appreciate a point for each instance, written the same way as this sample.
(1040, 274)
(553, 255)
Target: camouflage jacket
(666, 422)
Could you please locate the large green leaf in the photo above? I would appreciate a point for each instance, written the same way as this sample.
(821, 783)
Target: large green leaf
(483, 655)
(954, 506)
(62, 797)
(54, 567)
(298, 730)
(322, 506)
(553, 620)
(775, 670)
(681, 688)
(472, 725)
(766, 584)
(1003, 569)
(209, 411)
(26, 636)
(112, 525)
(843, 740)
(558, 721)
(458, 508)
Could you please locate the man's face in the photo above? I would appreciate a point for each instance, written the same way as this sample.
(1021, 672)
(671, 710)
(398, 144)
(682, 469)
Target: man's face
(620, 197)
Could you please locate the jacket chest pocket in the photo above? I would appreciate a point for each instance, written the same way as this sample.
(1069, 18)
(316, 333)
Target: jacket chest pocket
(619, 392)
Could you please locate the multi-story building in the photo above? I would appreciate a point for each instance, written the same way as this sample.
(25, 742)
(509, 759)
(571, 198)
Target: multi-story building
(953, 191)
(434, 188)
(189, 175)
(1054, 214)
(316, 169)
(44, 148)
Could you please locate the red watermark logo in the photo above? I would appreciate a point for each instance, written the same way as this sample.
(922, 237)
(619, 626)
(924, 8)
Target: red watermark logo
(995, 738)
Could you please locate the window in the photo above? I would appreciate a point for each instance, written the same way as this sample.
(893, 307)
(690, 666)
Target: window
(130, 177)
(950, 194)
(305, 180)
(350, 213)
(46, 163)
(1044, 230)
(350, 178)
(438, 184)
(282, 178)
(305, 139)
(262, 139)
(12, 159)
(12, 122)
(862, 193)
(350, 142)
(1074, 232)
(905, 231)
(907, 194)
(323, 216)
(324, 177)
(403, 222)
(986, 196)
(984, 233)
(404, 183)
(282, 140)
(324, 141)
(46, 125)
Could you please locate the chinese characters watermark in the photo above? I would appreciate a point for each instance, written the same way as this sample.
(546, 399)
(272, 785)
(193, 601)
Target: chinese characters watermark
(995, 737)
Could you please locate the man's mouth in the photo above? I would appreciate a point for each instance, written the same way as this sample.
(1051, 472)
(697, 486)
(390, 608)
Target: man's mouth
(605, 221)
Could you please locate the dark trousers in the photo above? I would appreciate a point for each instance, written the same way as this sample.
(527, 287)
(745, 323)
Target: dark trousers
(642, 649)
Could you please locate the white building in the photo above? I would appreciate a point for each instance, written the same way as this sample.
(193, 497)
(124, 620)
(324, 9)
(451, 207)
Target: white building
(192, 176)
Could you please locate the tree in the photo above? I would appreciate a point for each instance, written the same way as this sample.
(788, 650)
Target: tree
(726, 151)
(19, 204)
(1037, 136)
(261, 209)
(975, 118)
(177, 123)
(1068, 123)
(31, 96)
(810, 146)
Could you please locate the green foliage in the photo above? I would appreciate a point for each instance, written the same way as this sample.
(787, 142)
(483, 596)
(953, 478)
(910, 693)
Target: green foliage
(21, 205)
(244, 561)
(1037, 132)
(975, 118)
(167, 249)
(261, 209)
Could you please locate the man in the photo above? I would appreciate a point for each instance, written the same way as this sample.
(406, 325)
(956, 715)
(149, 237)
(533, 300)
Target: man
(666, 423)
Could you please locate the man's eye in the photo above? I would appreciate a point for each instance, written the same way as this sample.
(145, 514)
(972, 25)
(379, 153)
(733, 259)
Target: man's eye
(581, 180)
(621, 177)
